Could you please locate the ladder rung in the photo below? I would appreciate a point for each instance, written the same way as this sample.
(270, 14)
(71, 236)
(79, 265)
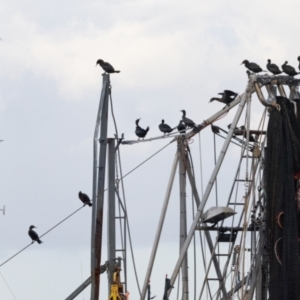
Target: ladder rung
(221, 254)
(119, 217)
(232, 203)
(120, 250)
(214, 278)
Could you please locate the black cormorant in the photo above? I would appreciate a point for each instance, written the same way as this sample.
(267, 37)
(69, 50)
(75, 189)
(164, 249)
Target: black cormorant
(289, 70)
(167, 287)
(273, 68)
(85, 199)
(107, 67)
(140, 132)
(255, 68)
(188, 122)
(165, 128)
(299, 62)
(181, 127)
(227, 97)
(251, 138)
(34, 236)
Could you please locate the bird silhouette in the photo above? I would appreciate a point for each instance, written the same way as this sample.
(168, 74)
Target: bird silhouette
(299, 62)
(273, 68)
(255, 68)
(181, 127)
(34, 236)
(251, 138)
(188, 122)
(165, 128)
(107, 67)
(227, 97)
(289, 70)
(140, 132)
(167, 287)
(85, 199)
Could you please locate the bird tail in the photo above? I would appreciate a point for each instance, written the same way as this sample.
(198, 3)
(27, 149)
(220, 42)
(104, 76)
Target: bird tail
(39, 241)
(117, 71)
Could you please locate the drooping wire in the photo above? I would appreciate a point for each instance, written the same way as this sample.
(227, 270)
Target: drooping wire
(124, 199)
(122, 177)
(201, 241)
(8, 286)
(42, 235)
(203, 249)
(194, 237)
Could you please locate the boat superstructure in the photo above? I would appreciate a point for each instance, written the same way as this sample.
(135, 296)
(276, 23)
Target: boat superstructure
(234, 233)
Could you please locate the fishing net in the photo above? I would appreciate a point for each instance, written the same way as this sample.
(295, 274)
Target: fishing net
(282, 173)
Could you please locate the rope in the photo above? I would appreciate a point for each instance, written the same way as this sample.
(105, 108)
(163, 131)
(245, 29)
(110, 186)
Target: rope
(41, 236)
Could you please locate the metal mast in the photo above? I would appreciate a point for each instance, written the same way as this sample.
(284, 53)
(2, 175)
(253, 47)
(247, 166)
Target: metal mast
(183, 217)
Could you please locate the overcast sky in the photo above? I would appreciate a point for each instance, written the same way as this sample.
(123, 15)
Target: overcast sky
(172, 55)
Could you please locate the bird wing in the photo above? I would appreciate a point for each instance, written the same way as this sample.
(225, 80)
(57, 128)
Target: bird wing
(229, 93)
(34, 236)
(107, 66)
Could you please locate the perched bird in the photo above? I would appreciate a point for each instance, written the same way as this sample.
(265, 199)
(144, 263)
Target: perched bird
(167, 287)
(85, 199)
(107, 67)
(149, 291)
(255, 68)
(251, 138)
(181, 127)
(34, 236)
(188, 122)
(273, 68)
(165, 128)
(140, 132)
(227, 97)
(299, 62)
(289, 70)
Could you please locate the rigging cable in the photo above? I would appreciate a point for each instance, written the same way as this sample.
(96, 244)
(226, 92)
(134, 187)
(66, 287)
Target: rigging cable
(201, 176)
(193, 214)
(200, 232)
(123, 192)
(8, 286)
(42, 235)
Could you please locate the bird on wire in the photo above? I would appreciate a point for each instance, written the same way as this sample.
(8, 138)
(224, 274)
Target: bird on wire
(188, 122)
(139, 131)
(165, 128)
(289, 70)
(227, 97)
(181, 127)
(273, 68)
(299, 62)
(255, 68)
(107, 67)
(34, 236)
(85, 199)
